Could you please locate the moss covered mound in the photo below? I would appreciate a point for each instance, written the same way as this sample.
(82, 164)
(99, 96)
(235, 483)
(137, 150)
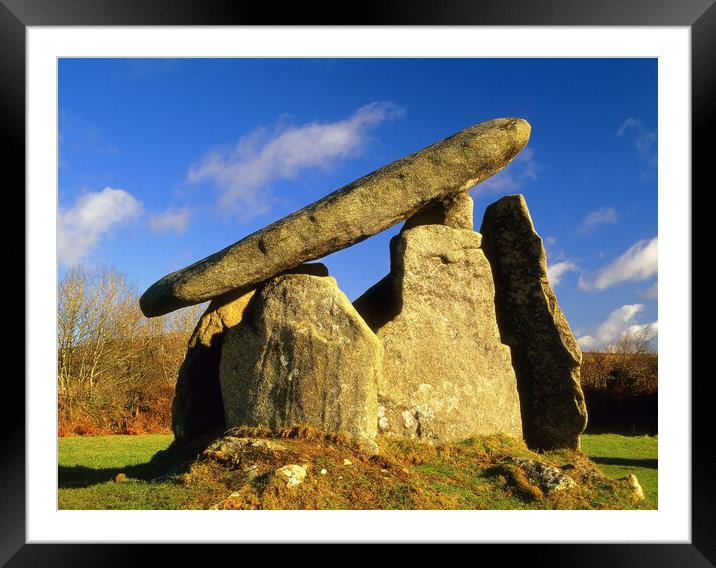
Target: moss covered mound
(302, 468)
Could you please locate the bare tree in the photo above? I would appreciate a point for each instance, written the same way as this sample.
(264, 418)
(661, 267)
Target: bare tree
(185, 320)
(113, 363)
(96, 311)
(633, 343)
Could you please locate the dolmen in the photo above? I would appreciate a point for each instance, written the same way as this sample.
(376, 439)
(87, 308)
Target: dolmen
(463, 337)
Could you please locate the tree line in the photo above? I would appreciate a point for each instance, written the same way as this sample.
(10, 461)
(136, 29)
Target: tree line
(116, 369)
(621, 386)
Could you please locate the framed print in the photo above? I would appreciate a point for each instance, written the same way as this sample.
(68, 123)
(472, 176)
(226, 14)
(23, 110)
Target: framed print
(156, 136)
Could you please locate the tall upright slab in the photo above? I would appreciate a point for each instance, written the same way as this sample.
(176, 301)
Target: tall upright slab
(446, 374)
(197, 407)
(302, 355)
(545, 354)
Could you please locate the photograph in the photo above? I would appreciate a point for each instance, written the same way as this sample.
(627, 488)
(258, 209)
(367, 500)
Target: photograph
(357, 283)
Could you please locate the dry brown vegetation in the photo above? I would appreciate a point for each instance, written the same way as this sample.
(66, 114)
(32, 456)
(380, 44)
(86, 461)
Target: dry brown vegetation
(116, 370)
(621, 386)
(630, 365)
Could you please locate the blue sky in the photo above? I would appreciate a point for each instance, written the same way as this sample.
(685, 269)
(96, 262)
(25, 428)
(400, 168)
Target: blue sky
(163, 162)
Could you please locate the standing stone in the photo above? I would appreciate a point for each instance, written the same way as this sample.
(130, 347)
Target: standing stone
(197, 407)
(376, 304)
(545, 354)
(302, 355)
(446, 374)
(455, 212)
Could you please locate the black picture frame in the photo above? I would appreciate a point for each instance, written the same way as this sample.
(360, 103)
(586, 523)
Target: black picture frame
(17, 15)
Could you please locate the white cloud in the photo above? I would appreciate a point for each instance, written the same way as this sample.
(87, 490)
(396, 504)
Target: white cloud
(619, 323)
(559, 269)
(520, 171)
(639, 262)
(586, 342)
(172, 220)
(242, 173)
(93, 216)
(602, 216)
(650, 330)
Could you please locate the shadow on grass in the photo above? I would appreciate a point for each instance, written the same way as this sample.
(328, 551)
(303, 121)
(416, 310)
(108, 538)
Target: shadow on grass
(81, 476)
(646, 462)
(175, 460)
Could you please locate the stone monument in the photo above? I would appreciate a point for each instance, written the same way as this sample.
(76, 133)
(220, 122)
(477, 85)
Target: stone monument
(463, 337)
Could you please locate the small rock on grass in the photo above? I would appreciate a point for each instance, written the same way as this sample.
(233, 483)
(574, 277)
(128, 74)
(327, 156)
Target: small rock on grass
(346, 461)
(547, 477)
(635, 487)
(292, 474)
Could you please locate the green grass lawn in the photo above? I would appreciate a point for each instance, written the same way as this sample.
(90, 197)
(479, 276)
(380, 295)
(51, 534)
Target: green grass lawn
(618, 456)
(88, 467)
(99, 453)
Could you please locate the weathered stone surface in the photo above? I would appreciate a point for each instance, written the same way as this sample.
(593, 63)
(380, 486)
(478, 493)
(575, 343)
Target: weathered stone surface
(291, 474)
(197, 407)
(302, 355)
(446, 374)
(239, 453)
(547, 477)
(376, 304)
(362, 208)
(545, 355)
(455, 212)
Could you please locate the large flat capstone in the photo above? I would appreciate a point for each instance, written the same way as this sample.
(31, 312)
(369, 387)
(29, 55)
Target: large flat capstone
(545, 354)
(351, 214)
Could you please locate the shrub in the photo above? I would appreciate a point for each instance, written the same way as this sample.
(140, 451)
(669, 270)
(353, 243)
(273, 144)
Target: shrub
(621, 387)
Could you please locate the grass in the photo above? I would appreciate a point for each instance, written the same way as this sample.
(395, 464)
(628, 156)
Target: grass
(618, 456)
(102, 452)
(88, 466)
(473, 474)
